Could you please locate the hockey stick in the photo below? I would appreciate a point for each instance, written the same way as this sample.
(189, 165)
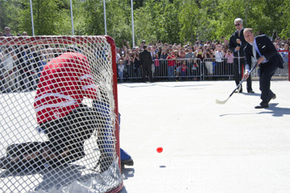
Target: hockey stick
(223, 102)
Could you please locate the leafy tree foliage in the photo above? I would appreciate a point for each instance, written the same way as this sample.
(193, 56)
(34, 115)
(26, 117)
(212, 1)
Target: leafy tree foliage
(48, 18)
(9, 14)
(172, 21)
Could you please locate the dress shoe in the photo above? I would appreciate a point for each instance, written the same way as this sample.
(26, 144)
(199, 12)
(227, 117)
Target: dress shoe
(262, 105)
(272, 98)
(251, 91)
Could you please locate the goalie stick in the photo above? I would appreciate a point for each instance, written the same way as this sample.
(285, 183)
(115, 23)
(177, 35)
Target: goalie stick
(238, 86)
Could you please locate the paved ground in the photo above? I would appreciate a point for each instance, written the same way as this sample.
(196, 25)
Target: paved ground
(208, 147)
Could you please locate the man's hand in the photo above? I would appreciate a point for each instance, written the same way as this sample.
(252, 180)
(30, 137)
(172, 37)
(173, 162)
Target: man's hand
(238, 48)
(246, 75)
(238, 41)
(260, 60)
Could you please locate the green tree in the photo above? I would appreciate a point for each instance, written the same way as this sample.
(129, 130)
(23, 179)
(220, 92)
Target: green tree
(144, 30)
(9, 10)
(284, 10)
(48, 18)
(93, 17)
(118, 19)
(188, 21)
(172, 21)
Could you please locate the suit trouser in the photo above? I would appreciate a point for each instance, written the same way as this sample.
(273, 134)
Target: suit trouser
(238, 73)
(266, 71)
(147, 71)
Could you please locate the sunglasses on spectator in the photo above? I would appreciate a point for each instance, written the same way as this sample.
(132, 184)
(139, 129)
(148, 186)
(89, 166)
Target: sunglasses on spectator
(237, 24)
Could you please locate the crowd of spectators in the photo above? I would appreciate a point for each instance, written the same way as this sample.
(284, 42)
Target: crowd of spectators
(20, 66)
(181, 60)
(170, 61)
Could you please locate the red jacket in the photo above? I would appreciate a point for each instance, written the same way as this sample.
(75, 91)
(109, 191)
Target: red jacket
(63, 84)
(171, 62)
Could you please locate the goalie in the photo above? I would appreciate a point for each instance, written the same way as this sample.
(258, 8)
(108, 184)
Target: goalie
(63, 84)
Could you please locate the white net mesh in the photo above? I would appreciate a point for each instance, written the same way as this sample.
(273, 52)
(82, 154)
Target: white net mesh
(58, 115)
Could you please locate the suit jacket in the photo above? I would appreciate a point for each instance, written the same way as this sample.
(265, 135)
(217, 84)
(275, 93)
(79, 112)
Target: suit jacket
(267, 49)
(145, 58)
(233, 43)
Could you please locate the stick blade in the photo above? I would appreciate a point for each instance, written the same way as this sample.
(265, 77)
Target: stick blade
(220, 102)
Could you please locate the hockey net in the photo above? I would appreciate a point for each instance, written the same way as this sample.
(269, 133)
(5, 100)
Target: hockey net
(30, 162)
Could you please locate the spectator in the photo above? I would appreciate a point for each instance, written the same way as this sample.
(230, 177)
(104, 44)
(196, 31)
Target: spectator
(183, 70)
(8, 70)
(136, 63)
(146, 63)
(277, 46)
(128, 64)
(121, 69)
(230, 62)
(142, 45)
(237, 44)
(159, 51)
(209, 56)
(7, 31)
(223, 41)
(118, 56)
(219, 55)
(171, 60)
(33, 67)
(49, 53)
(21, 64)
(127, 44)
(164, 53)
(43, 60)
(285, 55)
(163, 61)
(57, 51)
(189, 56)
(199, 53)
(152, 51)
(137, 50)
(180, 61)
(156, 64)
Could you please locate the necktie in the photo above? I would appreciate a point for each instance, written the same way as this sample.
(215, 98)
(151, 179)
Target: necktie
(254, 52)
(239, 33)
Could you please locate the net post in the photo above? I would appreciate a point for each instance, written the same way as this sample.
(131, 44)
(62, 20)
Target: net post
(111, 41)
(114, 66)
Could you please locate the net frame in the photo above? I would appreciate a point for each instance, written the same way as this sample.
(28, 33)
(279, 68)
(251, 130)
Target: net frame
(77, 40)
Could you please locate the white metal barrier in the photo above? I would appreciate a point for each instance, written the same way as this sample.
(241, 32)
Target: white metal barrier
(193, 69)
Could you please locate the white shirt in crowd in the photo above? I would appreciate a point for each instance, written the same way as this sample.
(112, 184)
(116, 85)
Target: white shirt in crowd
(218, 56)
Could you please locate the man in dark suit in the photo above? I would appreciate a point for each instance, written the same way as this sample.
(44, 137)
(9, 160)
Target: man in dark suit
(146, 62)
(236, 45)
(268, 59)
